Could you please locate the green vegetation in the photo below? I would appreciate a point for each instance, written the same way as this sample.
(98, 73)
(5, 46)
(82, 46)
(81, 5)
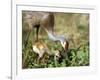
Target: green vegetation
(75, 27)
(76, 57)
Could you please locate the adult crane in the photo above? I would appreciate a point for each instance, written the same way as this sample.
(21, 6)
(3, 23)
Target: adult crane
(36, 19)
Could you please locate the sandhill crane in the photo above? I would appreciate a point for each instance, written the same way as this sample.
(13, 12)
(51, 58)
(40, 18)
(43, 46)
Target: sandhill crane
(36, 19)
(40, 48)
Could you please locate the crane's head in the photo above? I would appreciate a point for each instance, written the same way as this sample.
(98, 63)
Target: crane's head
(64, 42)
(65, 45)
(62, 39)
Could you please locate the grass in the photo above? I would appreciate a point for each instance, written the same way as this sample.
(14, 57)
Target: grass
(75, 27)
(76, 57)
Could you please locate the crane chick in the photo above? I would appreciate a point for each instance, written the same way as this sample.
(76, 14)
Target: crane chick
(41, 49)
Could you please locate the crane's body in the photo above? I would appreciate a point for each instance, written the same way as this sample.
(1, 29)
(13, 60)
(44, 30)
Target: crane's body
(44, 19)
(38, 19)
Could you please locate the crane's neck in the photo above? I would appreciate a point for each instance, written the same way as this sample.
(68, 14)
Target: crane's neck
(62, 40)
(54, 37)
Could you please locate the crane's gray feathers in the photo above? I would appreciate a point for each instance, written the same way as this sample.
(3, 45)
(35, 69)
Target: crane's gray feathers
(56, 38)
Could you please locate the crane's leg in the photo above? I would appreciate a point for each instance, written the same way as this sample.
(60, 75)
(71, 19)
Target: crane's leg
(37, 32)
(27, 38)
